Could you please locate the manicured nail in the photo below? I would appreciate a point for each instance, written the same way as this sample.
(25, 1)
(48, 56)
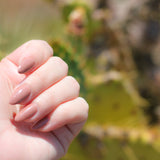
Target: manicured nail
(20, 94)
(41, 123)
(26, 113)
(26, 64)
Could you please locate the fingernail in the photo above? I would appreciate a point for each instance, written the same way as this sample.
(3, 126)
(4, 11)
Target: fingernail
(20, 94)
(26, 64)
(41, 123)
(26, 113)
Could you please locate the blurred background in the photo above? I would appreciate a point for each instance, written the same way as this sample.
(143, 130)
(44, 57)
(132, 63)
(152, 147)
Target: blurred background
(113, 49)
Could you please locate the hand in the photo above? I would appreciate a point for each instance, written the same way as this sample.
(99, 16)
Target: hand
(34, 85)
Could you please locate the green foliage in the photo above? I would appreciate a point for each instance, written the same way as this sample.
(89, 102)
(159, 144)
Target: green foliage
(87, 147)
(65, 51)
(1, 55)
(113, 105)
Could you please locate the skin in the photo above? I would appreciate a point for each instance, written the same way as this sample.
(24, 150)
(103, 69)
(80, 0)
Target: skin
(41, 111)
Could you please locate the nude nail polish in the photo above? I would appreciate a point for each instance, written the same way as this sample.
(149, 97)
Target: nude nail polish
(26, 64)
(20, 94)
(41, 123)
(26, 113)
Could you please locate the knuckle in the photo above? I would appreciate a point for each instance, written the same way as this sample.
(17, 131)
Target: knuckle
(40, 43)
(73, 82)
(30, 43)
(84, 105)
(33, 42)
(83, 108)
(50, 49)
(61, 63)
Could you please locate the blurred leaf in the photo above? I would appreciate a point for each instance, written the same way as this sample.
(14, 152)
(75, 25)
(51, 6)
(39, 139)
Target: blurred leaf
(111, 104)
(65, 51)
(87, 146)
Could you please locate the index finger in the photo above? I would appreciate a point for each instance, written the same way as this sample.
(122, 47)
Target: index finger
(31, 55)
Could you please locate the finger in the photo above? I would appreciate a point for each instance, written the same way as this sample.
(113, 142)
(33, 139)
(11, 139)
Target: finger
(30, 55)
(63, 91)
(71, 112)
(48, 74)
